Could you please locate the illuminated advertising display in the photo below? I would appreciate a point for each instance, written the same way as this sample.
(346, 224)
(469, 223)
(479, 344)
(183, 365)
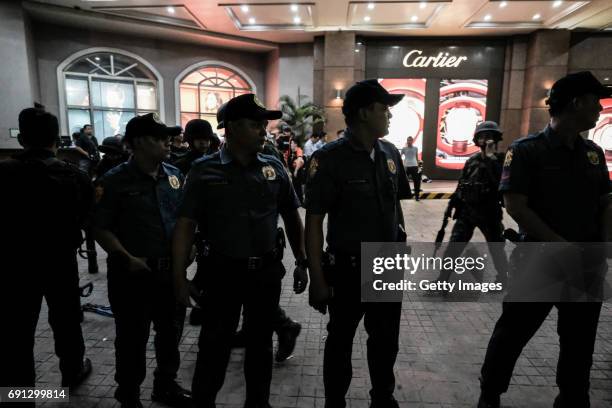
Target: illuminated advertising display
(602, 132)
(463, 105)
(408, 114)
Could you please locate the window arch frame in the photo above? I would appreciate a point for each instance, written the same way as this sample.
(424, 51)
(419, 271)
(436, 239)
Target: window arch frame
(61, 80)
(197, 66)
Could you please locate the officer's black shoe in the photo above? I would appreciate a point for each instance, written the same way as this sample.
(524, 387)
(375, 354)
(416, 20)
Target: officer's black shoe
(135, 403)
(195, 317)
(128, 401)
(239, 339)
(486, 401)
(389, 402)
(79, 377)
(287, 335)
(173, 395)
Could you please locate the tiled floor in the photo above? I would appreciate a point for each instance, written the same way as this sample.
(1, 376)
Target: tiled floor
(442, 348)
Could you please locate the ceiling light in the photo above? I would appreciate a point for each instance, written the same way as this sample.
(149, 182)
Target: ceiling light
(606, 79)
(97, 58)
(356, 50)
(487, 17)
(252, 20)
(503, 4)
(359, 43)
(414, 18)
(371, 6)
(297, 20)
(245, 9)
(170, 9)
(366, 18)
(294, 7)
(423, 5)
(536, 16)
(395, 47)
(557, 3)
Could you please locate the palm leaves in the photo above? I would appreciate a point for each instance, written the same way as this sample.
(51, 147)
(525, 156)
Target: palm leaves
(302, 117)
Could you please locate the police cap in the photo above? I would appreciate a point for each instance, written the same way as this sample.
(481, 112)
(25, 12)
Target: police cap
(246, 106)
(577, 84)
(220, 114)
(149, 125)
(198, 129)
(365, 93)
(111, 144)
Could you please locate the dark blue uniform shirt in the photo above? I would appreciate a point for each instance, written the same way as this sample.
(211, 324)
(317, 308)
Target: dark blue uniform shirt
(139, 209)
(360, 195)
(564, 186)
(237, 207)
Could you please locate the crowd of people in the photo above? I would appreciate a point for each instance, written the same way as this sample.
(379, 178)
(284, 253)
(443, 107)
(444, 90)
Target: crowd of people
(157, 205)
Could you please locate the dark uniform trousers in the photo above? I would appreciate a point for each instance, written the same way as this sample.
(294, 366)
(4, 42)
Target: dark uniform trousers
(381, 321)
(577, 328)
(462, 233)
(138, 299)
(228, 286)
(413, 173)
(57, 279)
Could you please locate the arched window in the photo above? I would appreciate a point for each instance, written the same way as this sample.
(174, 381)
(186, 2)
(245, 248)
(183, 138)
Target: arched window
(106, 89)
(205, 89)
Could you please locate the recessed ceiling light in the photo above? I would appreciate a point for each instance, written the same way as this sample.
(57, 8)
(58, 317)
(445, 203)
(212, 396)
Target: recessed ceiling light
(414, 18)
(503, 4)
(366, 18)
(356, 50)
(371, 6)
(487, 17)
(297, 20)
(245, 9)
(252, 20)
(294, 7)
(395, 47)
(536, 16)
(359, 43)
(606, 79)
(423, 5)
(170, 9)
(97, 58)
(557, 3)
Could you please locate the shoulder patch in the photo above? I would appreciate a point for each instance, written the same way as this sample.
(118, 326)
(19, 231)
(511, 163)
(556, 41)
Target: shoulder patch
(508, 159)
(313, 167)
(593, 157)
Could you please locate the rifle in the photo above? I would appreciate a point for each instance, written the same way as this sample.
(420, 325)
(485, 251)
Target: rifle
(453, 203)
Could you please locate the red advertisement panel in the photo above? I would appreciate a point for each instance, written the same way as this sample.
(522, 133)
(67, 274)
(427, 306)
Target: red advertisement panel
(408, 114)
(602, 132)
(463, 104)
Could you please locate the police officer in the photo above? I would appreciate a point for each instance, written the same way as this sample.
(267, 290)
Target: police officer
(286, 329)
(201, 139)
(358, 180)
(478, 202)
(114, 154)
(234, 198)
(44, 204)
(89, 144)
(133, 222)
(556, 186)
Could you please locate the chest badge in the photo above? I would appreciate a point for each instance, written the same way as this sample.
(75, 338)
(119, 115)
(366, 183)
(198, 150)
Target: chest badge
(314, 166)
(269, 173)
(593, 157)
(508, 159)
(391, 166)
(174, 182)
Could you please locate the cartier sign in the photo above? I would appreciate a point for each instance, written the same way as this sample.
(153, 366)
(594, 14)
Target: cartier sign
(416, 59)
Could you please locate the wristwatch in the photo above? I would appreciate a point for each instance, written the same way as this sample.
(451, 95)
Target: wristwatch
(302, 263)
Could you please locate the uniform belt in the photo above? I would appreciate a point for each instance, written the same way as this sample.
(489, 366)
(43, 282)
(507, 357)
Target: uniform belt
(161, 264)
(343, 259)
(251, 263)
